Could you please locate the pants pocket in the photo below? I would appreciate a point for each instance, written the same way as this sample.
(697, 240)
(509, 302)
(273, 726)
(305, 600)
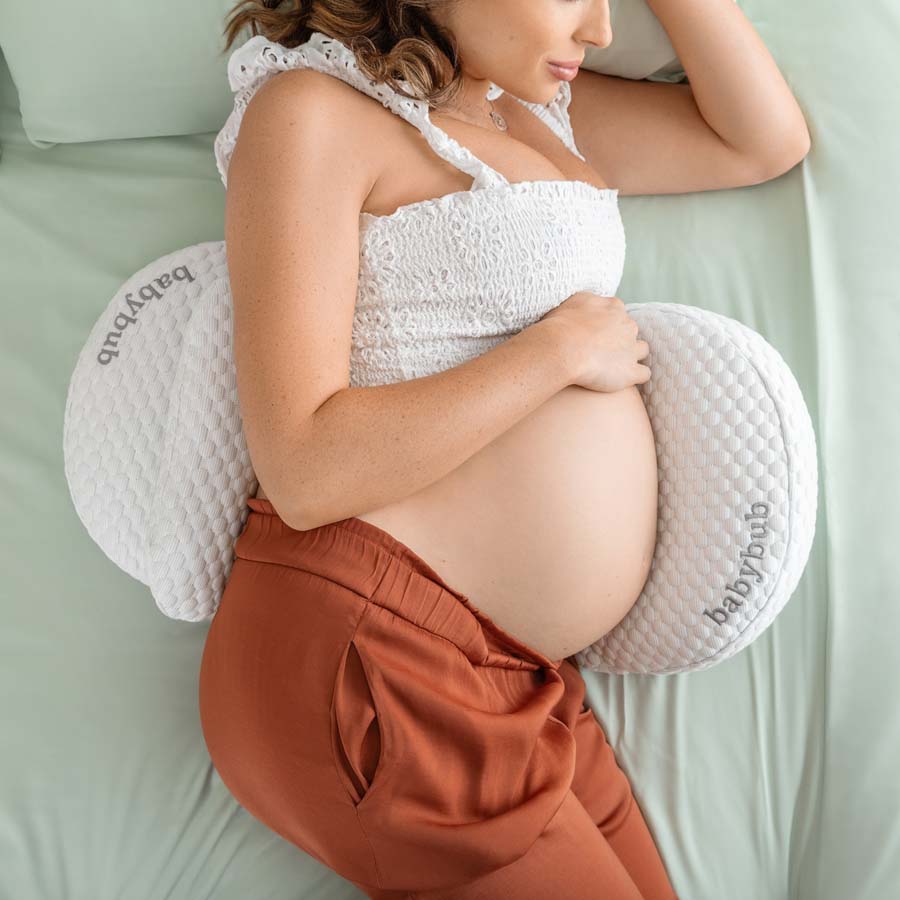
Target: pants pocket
(355, 727)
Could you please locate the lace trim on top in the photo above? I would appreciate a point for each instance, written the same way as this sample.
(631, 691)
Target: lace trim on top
(556, 115)
(258, 58)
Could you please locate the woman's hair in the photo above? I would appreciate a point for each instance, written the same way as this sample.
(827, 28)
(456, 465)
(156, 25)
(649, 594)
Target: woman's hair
(392, 39)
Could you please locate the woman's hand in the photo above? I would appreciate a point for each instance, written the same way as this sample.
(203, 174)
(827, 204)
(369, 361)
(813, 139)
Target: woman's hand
(603, 342)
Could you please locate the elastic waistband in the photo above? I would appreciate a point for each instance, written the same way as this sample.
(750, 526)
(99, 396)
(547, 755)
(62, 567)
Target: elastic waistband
(383, 570)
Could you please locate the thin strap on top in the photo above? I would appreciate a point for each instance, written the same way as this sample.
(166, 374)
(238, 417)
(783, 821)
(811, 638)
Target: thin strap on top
(556, 115)
(258, 59)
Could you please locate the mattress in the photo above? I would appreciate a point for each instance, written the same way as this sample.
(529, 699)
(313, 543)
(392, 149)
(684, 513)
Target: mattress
(772, 775)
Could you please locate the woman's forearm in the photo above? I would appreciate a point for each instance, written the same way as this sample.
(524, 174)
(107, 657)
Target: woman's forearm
(737, 85)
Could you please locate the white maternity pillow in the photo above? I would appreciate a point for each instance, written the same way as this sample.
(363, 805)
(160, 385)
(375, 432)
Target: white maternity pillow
(159, 471)
(738, 489)
(155, 456)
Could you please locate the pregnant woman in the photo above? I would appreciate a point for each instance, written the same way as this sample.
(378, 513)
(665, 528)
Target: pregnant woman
(457, 474)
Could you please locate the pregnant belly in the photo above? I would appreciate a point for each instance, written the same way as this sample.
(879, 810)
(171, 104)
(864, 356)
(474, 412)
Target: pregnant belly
(550, 529)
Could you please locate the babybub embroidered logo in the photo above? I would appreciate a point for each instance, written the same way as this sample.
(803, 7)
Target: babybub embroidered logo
(122, 320)
(755, 551)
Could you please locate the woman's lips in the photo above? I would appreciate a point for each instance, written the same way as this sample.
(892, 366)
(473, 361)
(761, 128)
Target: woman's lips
(566, 73)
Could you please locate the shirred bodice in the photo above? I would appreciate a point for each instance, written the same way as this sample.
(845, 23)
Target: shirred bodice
(445, 279)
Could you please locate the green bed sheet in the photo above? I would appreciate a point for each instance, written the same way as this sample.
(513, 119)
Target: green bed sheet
(773, 775)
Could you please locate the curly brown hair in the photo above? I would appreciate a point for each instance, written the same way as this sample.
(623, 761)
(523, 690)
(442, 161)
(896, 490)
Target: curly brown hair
(393, 40)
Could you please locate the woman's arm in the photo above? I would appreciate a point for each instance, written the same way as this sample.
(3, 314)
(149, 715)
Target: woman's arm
(737, 85)
(735, 124)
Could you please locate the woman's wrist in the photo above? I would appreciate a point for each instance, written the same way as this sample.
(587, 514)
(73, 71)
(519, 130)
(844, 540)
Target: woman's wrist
(558, 343)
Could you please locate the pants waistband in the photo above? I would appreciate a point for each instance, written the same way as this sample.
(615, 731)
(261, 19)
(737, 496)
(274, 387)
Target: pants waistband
(383, 570)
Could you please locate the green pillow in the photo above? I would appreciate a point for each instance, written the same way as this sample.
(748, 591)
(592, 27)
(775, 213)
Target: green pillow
(96, 71)
(640, 46)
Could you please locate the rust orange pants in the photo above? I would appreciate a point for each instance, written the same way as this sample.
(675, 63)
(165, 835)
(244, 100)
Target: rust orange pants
(367, 712)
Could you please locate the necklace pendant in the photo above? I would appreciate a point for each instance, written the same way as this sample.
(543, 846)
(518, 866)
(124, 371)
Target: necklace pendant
(499, 121)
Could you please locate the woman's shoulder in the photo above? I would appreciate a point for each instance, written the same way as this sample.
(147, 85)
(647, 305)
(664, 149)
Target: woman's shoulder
(316, 93)
(335, 115)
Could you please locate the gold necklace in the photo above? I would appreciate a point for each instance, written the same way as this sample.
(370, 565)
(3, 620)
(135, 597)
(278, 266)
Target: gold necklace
(497, 118)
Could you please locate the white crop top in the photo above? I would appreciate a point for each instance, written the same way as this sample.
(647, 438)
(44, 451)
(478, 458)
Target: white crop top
(444, 280)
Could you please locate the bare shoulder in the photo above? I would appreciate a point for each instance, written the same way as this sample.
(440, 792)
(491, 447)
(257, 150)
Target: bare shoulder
(311, 88)
(338, 116)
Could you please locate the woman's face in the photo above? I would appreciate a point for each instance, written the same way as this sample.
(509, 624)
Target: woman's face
(510, 42)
